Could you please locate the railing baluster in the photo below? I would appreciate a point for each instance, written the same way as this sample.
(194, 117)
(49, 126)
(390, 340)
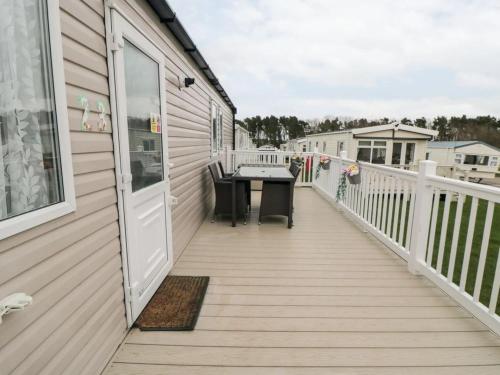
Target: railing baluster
(484, 251)
(403, 220)
(386, 202)
(410, 218)
(399, 185)
(468, 243)
(391, 207)
(380, 200)
(454, 241)
(433, 227)
(444, 232)
(496, 287)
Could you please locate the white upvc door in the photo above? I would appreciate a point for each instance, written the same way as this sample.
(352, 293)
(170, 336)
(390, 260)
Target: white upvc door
(144, 175)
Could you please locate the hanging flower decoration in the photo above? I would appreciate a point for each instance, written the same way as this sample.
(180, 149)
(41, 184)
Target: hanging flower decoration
(324, 163)
(350, 172)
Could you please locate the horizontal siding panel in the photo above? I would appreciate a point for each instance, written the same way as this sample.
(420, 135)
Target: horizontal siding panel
(184, 142)
(92, 182)
(46, 271)
(173, 100)
(17, 260)
(96, 5)
(188, 98)
(87, 163)
(57, 303)
(76, 30)
(82, 77)
(189, 150)
(113, 310)
(93, 362)
(86, 142)
(174, 111)
(72, 96)
(86, 205)
(84, 14)
(107, 296)
(180, 128)
(81, 55)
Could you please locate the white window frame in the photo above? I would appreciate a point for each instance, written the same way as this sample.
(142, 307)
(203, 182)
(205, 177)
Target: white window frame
(458, 157)
(371, 147)
(493, 161)
(217, 147)
(23, 222)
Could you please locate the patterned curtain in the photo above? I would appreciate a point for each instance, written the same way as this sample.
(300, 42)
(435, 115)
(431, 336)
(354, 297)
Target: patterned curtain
(25, 98)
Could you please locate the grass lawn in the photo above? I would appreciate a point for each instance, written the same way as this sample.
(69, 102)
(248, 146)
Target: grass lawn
(493, 247)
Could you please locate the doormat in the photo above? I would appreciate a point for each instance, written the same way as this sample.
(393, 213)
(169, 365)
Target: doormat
(175, 306)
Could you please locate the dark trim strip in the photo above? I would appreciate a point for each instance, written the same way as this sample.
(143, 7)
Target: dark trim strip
(169, 18)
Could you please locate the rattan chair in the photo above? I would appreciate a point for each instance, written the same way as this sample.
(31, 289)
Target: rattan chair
(248, 187)
(275, 200)
(223, 195)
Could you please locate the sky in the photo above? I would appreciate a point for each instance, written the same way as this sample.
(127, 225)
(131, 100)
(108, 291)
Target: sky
(371, 58)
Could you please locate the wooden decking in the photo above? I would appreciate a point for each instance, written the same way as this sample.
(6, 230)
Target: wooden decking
(321, 298)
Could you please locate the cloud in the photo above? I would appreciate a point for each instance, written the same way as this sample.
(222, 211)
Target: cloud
(323, 56)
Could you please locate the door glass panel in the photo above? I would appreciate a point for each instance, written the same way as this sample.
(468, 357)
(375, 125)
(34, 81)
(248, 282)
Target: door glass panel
(396, 153)
(410, 153)
(363, 154)
(378, 156)
(142, 85)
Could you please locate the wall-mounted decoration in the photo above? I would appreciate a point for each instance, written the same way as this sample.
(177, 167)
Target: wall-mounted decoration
(101, 124)
(155, 122)
(84, 103)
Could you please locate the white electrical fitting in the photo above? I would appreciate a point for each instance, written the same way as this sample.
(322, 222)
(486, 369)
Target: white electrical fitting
(14, 302)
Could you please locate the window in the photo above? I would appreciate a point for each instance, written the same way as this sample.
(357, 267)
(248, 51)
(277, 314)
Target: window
(459, 158)
(396, 153)
(36, 174)
(340, 147)
(410, 153)
(494, 161)
(476, 160)
(304, 148)
(310, 147)
(372, 151)
(324, 146)
(217, 140)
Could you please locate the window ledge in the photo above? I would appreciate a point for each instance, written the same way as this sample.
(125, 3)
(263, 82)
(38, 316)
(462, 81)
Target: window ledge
(23, 222)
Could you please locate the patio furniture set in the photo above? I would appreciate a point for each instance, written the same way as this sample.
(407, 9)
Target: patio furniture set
(233, 190)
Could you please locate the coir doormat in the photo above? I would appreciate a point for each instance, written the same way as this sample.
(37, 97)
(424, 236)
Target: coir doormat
(176, 304)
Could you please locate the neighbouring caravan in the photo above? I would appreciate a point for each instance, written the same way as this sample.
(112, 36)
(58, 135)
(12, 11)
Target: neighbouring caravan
(295, 145)
(393, 144)
(242, 140)
(109, 116)
(473, 160)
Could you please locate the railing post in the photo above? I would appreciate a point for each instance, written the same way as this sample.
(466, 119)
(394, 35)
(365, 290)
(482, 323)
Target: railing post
(422, 215)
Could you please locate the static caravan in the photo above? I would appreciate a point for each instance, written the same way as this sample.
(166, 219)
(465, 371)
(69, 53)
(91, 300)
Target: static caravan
(473, 160)
(242, 140)
(109, 116)
(295, 145)
(393, 144)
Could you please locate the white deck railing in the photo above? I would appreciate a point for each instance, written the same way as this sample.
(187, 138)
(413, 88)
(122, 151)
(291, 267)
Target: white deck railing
(238, 157)
(440, 226)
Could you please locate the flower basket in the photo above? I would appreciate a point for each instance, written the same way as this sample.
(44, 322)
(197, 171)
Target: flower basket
(354, 180)
(353, 174)
(325, 165)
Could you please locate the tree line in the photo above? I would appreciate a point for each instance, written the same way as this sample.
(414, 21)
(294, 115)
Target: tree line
(277, 130)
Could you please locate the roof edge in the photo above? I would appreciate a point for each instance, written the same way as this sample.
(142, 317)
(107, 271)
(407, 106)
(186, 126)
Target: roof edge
(169, 18)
